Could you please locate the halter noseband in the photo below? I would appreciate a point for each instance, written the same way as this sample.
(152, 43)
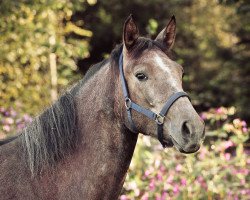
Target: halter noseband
(158, 118)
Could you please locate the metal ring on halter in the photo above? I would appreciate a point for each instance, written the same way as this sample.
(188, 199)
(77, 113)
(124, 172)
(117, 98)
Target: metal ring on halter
(128, 103)
(159, 119)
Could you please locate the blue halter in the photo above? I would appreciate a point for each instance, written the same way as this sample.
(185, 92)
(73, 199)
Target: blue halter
(158, 118)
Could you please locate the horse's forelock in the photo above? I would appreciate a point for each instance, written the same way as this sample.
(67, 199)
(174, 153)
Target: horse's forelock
(139, 47)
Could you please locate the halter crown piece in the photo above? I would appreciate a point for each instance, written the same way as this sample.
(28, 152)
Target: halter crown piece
(158, 118)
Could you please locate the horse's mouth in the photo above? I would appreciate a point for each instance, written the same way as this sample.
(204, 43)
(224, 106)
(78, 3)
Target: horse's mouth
(174, 143)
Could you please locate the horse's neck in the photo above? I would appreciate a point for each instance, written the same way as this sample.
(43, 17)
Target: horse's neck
(107, 146)
(97, 167)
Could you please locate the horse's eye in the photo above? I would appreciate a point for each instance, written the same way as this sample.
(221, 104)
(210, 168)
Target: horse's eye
(141, 77)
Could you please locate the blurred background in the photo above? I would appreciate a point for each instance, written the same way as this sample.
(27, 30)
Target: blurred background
(46, 45)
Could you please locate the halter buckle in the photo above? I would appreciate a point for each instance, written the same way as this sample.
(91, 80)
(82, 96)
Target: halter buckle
(128, 103)
(159, 119)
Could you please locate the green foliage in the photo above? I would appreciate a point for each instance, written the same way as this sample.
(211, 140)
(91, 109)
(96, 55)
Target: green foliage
(152, 26)
(30, 32)
(218, 171)
(212, 43)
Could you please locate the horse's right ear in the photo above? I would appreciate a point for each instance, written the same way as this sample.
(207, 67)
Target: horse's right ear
(130, 32)
(167, 36)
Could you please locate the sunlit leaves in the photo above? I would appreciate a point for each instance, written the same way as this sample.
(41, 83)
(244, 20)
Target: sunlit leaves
(30, 31)
(152, 26)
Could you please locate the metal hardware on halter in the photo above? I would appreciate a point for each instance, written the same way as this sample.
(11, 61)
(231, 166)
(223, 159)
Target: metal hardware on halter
(159, 119)
(128, 103)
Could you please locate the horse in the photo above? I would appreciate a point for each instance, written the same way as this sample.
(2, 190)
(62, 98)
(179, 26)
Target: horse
(82, 145)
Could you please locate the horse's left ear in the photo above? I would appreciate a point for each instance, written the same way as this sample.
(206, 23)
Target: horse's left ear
(167, 36)
(130, 32)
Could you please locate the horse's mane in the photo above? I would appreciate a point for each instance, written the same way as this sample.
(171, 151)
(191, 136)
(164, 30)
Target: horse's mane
(53, 134)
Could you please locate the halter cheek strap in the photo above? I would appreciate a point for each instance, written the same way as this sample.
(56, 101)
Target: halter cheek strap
(158, 118)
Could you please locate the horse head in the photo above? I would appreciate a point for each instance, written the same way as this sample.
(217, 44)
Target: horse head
(153, 82)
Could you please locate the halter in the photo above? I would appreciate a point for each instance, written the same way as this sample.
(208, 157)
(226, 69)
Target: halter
(158, 118)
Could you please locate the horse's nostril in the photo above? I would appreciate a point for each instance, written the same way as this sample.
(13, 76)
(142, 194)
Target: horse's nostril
(185, 129)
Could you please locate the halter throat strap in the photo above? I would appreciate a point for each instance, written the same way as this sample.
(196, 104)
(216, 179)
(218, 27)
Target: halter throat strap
(158, 118)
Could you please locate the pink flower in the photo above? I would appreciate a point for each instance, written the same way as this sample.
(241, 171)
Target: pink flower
(159, 176)
(20, 126)
(243, 123)
(230, 193)
(203, 116)
(200, 179)
(9, 120)
(202, 153)
(225, 145)
(248, 191)
(243, 192)
(6, 128)
(176, 189)
(137, 192)
(145, 196)
(152, 185)
(164, 195)
(123, 197)
(219, 110)
(162, 168)
(244, 171)
(170, 178)
(183, 182)
(158, 198)
(27, 118)
(228, 144)
(147, 173)
(2, 109)
(227, 156)
(242, 181)
(244, 129)
(178, 168)
(13, 113)
(6, 113)
(204, 185)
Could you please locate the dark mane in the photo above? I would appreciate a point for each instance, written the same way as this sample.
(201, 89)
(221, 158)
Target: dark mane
(53, 134)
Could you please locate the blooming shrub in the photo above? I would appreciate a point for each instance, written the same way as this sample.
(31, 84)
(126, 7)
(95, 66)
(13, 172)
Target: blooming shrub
(11, 122)
(219, 170)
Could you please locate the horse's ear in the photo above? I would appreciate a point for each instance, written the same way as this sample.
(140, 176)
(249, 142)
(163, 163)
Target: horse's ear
(167, 36)
(130, 32)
